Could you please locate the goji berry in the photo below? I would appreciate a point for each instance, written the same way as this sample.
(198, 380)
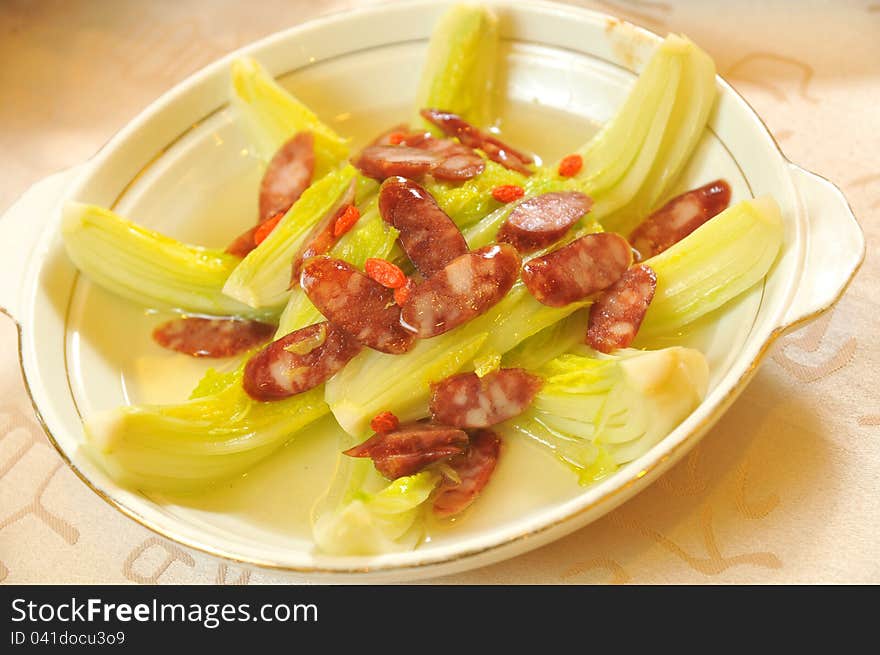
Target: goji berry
(570, 165)
(265, 228)
(349, 216)
(396, 138)
(508, 192)
(384, 422)
(385, 273)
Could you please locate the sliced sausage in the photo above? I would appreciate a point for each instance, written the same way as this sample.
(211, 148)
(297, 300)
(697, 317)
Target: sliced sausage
(616, 315)
(540, 221)
(420, 154)
(380, 162)
(243, 243)
(410, 448)
(467, 287)
(473, 468)
(356, 304)
(679, 217)
(573, 272)
(428, 236)
(458, 162)
(288, 174)
(212, 337)
(468, 401)
(322, 237)
(298, 362)
(498, 151)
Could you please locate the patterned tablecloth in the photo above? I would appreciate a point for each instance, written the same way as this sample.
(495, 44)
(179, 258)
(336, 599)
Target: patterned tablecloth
(784, 489)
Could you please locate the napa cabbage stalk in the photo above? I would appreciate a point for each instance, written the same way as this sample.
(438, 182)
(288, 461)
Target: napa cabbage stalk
(459, 70)
(632, 160)
(551, 342)
(271, 116)
(262, 279)
(597, 412)
(365, 514)
(718, 261)
(218, 433)
(147, 267)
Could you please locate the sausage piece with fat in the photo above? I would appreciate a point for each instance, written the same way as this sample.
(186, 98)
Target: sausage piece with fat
(616, 316)
(473, 468)
(573, 272)
(288, 174)
(411, 447)
(418, 155)
(538, 222)
(466, 287)
(244, 243)
(298, 362)
(380, 162)
(679, 217)
(356, 303)
(495, 149)
(212, 337)
(428, 236)
(468, 401)
(457, 162)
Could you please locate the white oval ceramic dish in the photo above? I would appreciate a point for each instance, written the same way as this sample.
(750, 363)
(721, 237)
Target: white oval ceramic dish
(184, 157)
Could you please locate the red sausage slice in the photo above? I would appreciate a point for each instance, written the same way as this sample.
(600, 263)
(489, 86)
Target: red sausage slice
(467, 287)
(498, 151)
(298, 362)
(243, 243)
(537, 222)
(410, 448)
(679, 217)
(459, 162)
(288, 174)
(380, 162)
(474, 468)
(212, 337)
(428, 236)
(420, 154)
(468, 401)
(356, 304)
(617, 314)
(573, 272)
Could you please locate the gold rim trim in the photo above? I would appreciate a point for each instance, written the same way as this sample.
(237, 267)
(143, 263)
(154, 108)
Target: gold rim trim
(620, 493)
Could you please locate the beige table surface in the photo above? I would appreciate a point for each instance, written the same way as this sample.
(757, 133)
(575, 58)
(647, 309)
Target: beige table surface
(786, 488)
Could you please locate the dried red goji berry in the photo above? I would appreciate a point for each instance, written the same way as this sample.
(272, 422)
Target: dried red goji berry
(385, 273)
(265, 228)
(508, 193)
(349, 216)
(396, 138)
(402, 293)
(570, 165)
(384, 422)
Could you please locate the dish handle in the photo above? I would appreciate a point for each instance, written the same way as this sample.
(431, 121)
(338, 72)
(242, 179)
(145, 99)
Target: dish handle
(835, 249)
(20, 228)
